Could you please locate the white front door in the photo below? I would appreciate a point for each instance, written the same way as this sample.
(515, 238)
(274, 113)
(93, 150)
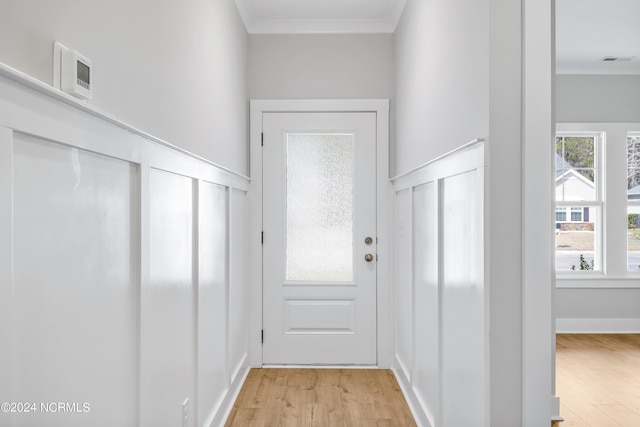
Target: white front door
(319, 250)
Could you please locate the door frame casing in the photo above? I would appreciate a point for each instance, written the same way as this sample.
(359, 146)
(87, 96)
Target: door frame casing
(383, 212)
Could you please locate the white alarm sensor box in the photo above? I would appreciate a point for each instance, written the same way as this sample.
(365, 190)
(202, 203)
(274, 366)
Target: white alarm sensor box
(73, 72)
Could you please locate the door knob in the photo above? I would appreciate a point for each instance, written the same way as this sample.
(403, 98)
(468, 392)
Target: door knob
(368, 257)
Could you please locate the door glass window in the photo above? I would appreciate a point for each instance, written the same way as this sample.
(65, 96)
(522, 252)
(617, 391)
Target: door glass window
(319, 210)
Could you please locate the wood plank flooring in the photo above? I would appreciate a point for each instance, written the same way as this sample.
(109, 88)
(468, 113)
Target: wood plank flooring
(598, 379)
(320, 397)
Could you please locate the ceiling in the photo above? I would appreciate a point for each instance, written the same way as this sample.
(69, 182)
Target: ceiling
(589, 30)
(320, 16)
(586, 30)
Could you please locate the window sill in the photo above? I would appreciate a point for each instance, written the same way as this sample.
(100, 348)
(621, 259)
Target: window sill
(597, 281)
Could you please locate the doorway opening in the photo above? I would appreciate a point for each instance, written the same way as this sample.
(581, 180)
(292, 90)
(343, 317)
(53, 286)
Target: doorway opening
(320, 265)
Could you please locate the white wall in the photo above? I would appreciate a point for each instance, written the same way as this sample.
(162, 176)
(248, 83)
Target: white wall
(459, 77)
(321, 66)
(601, 305)
(176, 70)
(124, 270)
(442, 78)
(597, 99)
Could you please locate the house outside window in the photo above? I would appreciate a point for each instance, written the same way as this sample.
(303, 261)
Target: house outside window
(578, 202)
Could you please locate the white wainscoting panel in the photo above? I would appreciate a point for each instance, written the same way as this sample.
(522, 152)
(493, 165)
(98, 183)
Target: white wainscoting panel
(239, 276)
(462, 330)
(212, 375)
(440, 292)
(426, 298)
(403, 289)
(123, 279)
(238, 303)
(75, 228)
(6, 261)
(167, 356)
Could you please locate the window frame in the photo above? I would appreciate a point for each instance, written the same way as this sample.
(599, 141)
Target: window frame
(596, 205)
(615, 273)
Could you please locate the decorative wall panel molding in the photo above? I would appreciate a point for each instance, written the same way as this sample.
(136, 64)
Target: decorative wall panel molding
(123, 287)
(441, 291)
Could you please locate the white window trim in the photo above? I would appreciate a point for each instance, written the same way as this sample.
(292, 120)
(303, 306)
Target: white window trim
(613, 235)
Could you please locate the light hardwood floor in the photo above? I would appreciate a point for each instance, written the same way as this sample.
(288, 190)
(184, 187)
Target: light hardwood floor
(598, 380)
(320, 397)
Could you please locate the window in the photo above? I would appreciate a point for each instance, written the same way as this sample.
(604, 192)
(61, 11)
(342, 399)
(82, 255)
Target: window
(578, 202)
(576, 214)
(597, 171)
(633, 202)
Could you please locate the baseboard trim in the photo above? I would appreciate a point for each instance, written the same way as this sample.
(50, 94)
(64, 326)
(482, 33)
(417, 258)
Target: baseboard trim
(272, 366)
(555, 409)
(243, 362)
(415, 406)
(598, 326)
(219, 418)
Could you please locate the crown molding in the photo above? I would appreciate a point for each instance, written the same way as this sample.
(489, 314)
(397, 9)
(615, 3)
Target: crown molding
(320, 26)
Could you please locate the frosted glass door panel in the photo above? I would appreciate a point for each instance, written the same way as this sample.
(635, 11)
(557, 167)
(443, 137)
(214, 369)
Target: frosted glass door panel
(320, 206)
